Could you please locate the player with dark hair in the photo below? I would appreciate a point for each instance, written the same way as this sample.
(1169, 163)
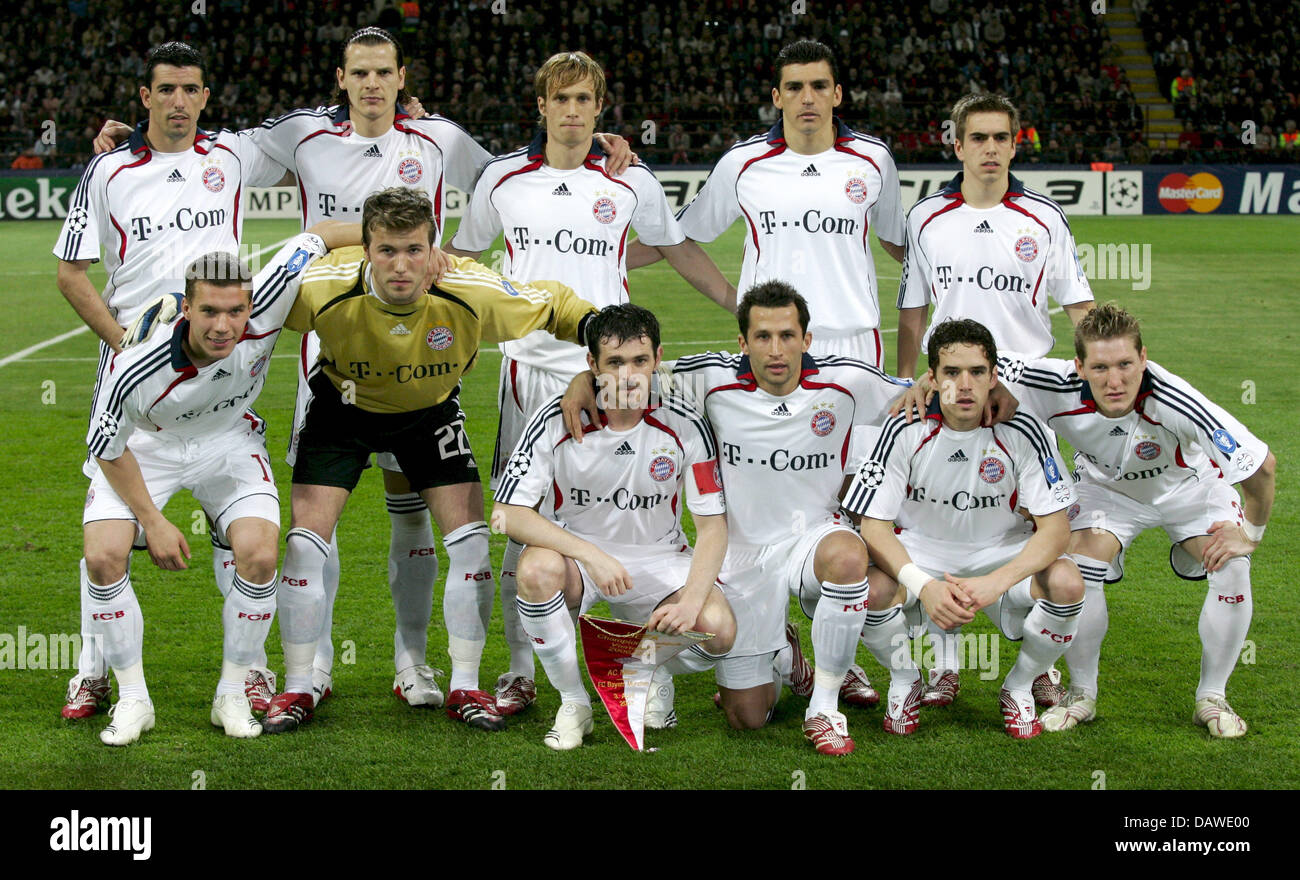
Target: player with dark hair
(168, 194)
(809, 190)
(614, 529)
(954, 487)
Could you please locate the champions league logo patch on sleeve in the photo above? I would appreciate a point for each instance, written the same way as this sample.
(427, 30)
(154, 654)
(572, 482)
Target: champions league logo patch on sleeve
(505, 285)
(297, 261)
(856, 190)
(1146, 450)
(661, 468)
(107, 425)
(77, 219)
(992, 469)
(823, 422)
(440, 338)
(214, 179)
(872, 474)
(1224, 441)
(518, 465)
(604, 211)
(1026, 248)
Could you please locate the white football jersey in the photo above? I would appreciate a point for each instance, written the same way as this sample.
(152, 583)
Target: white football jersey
(1174, 437)
(961, 487)
(338, 168)
(807, 220)
(618, 487)
(570, 226)
(153, 213)
(783, 458)
(154, 388)
(998, 265)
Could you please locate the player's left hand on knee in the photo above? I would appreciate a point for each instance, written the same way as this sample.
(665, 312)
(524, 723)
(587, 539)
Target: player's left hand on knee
(620, 153)
(162, 311)
(675, 618)
(1227, 541)
(167, 546)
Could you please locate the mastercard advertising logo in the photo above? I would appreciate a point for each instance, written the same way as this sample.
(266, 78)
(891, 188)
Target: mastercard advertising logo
(1201, 192)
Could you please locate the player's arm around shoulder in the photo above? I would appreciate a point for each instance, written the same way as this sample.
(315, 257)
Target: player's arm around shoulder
(509, 309)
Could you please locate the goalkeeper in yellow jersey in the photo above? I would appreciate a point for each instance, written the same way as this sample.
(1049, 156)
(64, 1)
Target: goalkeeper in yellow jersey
(392, 353)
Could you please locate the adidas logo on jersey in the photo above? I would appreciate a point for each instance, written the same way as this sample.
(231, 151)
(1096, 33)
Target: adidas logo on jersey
(220, 374)
(373, 152)
(782, 411)
(561, 190)
(958, 456)
(625, 449)
(176, 176)
(399, 330)
(1117, 431)
(984, 227)
(811, 171)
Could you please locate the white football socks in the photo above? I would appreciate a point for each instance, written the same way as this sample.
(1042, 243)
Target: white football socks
(1225, 620)
(323, 649)
(90, 662)
(301, 599)
(412, 573)
(550, 628)
(1049, 629)
(837, 624)
(467, 601)
(886, 636)
(521, 651)
(1084, 653)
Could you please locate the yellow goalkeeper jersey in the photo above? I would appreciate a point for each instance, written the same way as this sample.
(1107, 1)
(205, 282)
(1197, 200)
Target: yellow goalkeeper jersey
(386, 358)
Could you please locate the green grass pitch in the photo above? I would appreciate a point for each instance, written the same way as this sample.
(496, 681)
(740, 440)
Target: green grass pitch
(1220, 311)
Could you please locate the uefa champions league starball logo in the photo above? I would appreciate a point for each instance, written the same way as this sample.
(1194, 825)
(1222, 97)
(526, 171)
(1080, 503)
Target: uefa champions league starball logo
(1124, 192)
(214, 179)
(517, 466)
(992, 469)
(107, 425)
(872, 474)
(77, 219)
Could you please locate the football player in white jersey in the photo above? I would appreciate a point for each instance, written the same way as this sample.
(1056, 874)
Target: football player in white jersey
(176, 412)
(564, 218)
(168, 194)
(956, 488)
(1151, 451)
(810, 190)
(987, 247)
(615, 530)
(784, 422)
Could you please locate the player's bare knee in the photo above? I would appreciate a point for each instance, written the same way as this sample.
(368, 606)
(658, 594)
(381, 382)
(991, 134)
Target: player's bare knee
(540, 574)
(723, 627)
(746, 716)
(882, 591)
(1064, 583)
(105, 565)
(256, 563)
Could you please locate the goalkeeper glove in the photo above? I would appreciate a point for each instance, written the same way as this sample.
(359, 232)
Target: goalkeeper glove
(163, 311)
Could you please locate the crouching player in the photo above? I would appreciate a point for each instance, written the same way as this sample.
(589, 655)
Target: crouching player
(176, 413)
(1151, 451)
(617, 532)
(955, 487)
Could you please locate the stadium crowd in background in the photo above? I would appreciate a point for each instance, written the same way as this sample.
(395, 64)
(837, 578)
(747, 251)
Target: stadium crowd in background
(699, 71)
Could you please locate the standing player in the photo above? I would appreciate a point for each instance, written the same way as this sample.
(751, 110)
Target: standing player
(392, 355)
(988, 248)
(616, 530)
(176, 413)
(809, 190)
(168, 194)
(565, 218)
(784, 421)
(1151, 451)
(955, 488)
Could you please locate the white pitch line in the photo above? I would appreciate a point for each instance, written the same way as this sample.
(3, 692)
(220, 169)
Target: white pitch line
(55, 340)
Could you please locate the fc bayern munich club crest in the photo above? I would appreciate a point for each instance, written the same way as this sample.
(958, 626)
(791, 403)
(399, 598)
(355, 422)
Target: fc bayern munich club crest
(410, 170)
(214, 179)
(1026, 248)
(258, 365)
(604, 211)
(1072, 512)
(440, 338)
(1146, 450)
(856, 190)
(823, 422)
(661, 468)
(992, 469)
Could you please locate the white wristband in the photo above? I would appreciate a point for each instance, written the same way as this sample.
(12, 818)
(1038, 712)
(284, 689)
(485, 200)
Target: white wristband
(1254, 533)
(913, 579)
